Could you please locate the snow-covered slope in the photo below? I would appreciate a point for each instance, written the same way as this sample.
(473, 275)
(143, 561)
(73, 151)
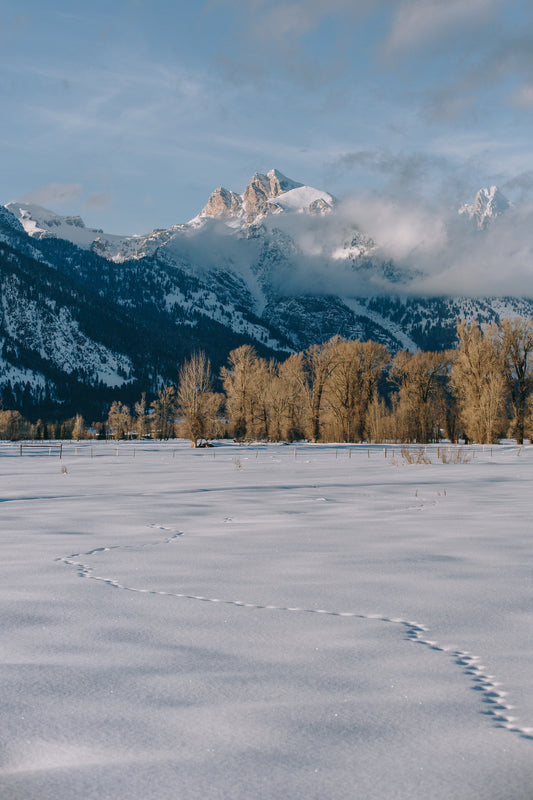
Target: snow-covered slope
(303, 199)
(51, 331)
(41, 222)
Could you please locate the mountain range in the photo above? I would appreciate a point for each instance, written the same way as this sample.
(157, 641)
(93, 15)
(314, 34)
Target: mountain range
(87, 316)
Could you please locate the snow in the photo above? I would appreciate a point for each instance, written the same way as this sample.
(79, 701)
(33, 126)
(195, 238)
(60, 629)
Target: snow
(57, 337)
(29, 225)
(392, 327)
(266, 622)
(11, 374)
(296, 200)
(489, 203)
(39, 222)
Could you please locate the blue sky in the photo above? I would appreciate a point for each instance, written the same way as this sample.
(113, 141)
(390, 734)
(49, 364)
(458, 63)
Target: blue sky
(131, 112)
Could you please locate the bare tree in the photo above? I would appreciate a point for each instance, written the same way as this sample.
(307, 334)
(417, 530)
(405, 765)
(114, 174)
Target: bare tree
(164, 413)
(12, 425)
(119, 419)
(516, 341)
(478, 382)
(421, 406)
(141, 416)
(379, 425)
(292, 387)
(196, 401)
(353, 383)
(319, 364)
(237, 381)
(79, 430)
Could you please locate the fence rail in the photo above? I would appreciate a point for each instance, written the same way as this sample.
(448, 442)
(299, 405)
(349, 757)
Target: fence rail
(48, 447)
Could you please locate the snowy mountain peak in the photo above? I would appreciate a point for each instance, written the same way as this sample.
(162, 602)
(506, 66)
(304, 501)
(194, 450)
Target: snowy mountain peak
(279, 183)
(264, 195)
(43, 223)
(489, 203)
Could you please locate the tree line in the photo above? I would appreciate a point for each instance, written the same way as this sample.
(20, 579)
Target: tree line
(338, 391)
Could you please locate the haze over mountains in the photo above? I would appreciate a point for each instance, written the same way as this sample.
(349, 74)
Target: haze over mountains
(86, 314)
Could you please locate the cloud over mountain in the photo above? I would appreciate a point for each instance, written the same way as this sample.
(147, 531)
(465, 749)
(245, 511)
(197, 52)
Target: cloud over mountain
(55, 194)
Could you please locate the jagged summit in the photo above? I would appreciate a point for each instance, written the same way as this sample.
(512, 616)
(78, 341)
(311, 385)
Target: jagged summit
(279, 183)
(266, 194)
(489, 203)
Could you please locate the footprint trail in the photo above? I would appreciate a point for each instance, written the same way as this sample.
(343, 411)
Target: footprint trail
(498, 709)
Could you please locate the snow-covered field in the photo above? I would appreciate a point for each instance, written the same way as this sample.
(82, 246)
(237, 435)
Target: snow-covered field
(265, 623)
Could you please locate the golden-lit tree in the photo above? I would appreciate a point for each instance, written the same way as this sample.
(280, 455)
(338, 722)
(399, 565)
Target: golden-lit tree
(119, 420)
(516, 342)
(478, 382)
(12, 425)
(379, 421)
(79, 431)
(196, 401)
(319, 363)
(142, 420)
(164, 410)
(420, 408)
(237, 380)
(292, 387)
(352, 385)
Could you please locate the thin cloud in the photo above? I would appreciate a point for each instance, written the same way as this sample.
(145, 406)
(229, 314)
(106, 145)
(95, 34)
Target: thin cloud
(270, 20)
(522, 182)
(523, 97)
(299, 17)
(55, 194)
(99, 200)
(120, 107)
(269, 36)
(402, 169)
(488, 65)
(418, 22)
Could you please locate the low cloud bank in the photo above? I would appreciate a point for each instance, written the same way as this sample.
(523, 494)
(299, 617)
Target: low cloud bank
(412, 249)
(439, 251)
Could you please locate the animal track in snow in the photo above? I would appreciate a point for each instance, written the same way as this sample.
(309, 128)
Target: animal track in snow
(495, 698)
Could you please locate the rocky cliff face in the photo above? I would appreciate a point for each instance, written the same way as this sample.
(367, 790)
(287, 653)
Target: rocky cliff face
(223, 203)
(279, 183)
(257, 199)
